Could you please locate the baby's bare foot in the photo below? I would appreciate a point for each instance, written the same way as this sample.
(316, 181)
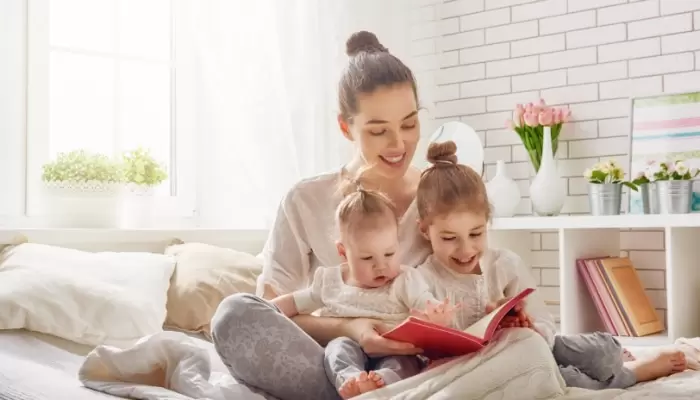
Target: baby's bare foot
(349, 389)
(627, 356)
(664, 364)
(368, 382)
(377, 378)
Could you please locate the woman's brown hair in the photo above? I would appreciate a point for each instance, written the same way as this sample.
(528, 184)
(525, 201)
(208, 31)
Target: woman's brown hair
(371, 66)
(447, 186)
(363, 208)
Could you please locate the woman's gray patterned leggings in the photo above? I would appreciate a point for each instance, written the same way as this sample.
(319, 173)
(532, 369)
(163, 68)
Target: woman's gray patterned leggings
(267, 351)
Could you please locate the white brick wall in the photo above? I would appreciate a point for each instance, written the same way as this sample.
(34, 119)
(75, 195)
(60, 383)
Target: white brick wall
(588, 55)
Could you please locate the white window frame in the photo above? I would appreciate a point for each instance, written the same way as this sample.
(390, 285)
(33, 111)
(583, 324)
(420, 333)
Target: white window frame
(12, 110)
(181, 207)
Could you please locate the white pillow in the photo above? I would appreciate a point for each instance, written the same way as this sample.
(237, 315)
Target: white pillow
(89, 298)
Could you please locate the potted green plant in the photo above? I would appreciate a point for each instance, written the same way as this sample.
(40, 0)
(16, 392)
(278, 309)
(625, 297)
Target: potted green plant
(84, 189)
(142, 172)
(605, 181)
(673, 183)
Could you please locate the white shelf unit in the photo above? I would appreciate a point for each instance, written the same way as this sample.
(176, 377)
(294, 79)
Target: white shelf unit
(592, 236)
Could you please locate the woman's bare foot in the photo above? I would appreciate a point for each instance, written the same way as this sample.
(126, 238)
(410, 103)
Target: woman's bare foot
(365, 382)
(627, 356)
(663, 364)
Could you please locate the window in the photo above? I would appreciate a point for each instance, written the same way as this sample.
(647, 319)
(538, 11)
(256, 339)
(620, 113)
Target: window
(237, 98)
(102, 78)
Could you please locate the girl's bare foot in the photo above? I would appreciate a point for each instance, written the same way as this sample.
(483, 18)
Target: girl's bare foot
(663, 364)
(627, 356)
(349, 389)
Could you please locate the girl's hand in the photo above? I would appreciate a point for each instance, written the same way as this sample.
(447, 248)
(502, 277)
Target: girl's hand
(516, 318)
(367, 332)
(438, 313)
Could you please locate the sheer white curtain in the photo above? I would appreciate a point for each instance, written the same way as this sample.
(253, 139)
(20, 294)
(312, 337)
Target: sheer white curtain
(257, 95)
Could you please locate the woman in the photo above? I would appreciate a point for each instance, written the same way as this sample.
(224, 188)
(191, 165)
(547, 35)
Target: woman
(378, 103)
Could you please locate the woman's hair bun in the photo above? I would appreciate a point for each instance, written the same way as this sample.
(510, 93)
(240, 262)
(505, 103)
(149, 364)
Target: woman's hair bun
(363, 41)
(442, 153)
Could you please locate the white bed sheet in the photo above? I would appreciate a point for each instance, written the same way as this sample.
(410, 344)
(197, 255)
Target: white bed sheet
(40, 367)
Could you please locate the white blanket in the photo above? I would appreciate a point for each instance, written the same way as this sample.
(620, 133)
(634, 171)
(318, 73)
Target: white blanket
(163, 366)
(519, 365)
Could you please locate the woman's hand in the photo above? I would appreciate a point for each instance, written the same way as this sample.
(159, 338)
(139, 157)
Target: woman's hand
(367, 332)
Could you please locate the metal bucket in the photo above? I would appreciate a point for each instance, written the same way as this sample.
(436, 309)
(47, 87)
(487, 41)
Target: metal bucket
(605, 198)
(674, 197)
(650, 200)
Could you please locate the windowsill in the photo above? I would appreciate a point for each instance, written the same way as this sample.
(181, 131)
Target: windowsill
(186, 229)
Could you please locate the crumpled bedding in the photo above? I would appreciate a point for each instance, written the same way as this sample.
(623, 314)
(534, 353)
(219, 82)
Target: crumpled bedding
(174, 366)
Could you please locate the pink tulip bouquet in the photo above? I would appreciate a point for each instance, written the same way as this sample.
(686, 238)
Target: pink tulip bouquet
(529, 122)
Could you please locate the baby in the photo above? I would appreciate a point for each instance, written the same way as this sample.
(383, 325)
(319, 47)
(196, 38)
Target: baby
(369, 284)
(454, 213)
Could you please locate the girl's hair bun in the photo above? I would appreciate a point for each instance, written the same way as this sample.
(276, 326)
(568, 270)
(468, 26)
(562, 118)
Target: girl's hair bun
(442, 153)
(363, 41)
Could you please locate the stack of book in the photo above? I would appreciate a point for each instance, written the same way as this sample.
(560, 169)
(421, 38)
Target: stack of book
(619, 296)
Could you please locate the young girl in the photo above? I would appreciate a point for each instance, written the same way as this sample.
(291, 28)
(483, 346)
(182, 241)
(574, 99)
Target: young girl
(453, 215)
(370, 284)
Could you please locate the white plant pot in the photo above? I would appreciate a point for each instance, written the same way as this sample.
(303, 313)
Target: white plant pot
(83, 204)
(139, 206)
(503, 192)
(548, 189)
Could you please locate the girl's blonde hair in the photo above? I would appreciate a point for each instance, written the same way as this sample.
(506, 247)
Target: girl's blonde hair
(362, 207)
(447, 186)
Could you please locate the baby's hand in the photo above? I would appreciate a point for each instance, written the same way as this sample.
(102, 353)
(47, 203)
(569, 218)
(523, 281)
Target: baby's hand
(440, 313)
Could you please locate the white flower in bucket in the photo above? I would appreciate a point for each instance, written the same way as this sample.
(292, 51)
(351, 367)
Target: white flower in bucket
(607, 172)
(605, 187)
(670, 171)
(674, 186)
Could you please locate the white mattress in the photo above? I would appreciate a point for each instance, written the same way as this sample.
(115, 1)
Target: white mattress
(40, 367)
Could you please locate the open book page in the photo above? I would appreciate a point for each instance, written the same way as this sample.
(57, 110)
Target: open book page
(480, 328)
(484, 328)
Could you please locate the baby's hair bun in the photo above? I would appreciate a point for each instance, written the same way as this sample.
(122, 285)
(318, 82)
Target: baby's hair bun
(363, 41)
(442, 153)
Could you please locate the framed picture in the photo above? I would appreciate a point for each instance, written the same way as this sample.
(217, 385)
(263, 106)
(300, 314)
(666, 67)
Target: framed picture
(662, 128)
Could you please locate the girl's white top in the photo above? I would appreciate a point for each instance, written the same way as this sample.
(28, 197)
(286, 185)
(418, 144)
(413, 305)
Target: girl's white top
(391, 303)
(304, 235)
(503, 274)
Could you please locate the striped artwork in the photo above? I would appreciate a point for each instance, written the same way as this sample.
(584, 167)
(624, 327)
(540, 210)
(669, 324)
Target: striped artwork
(665, 127)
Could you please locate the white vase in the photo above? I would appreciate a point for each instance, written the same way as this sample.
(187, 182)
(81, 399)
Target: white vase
(503, 192)
(548, 189)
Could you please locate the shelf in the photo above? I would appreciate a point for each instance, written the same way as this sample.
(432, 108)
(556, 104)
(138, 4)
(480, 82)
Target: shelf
(597, 222)
(595, 236)
(660, 339)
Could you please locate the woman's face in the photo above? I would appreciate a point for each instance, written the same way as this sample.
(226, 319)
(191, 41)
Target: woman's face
(386, 129)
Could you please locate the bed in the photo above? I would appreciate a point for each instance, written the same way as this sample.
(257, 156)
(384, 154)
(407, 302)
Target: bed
(40, 367)
(36, 366)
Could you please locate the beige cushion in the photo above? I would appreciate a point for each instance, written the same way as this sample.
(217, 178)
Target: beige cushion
(204, 276)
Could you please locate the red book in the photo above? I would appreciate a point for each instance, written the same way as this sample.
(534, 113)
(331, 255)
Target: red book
(439, 341)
